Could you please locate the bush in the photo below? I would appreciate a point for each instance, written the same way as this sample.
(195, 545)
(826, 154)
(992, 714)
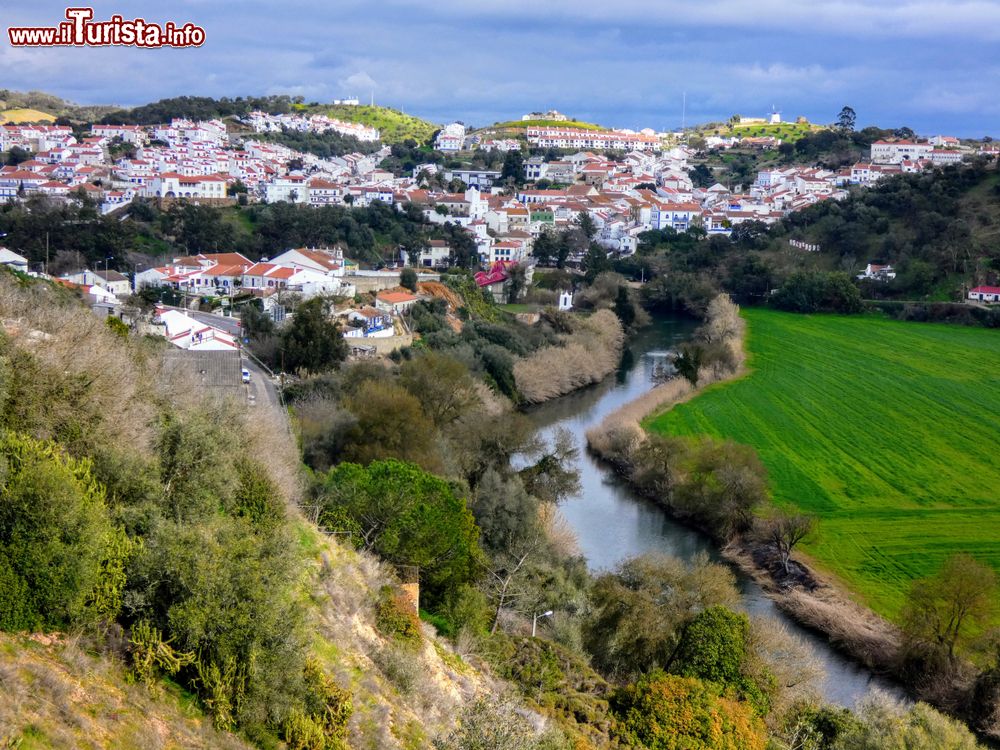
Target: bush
(715, 647)
(640, 611)
(662, 712)
(54, 533)
(395, 618)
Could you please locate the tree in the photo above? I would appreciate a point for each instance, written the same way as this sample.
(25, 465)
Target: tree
(688, 362)
(16, 155)
(312, 342)
(442, 385)
(408, 279)
(641, 608)
(784, 532)
(546, 247)
(408, 517)
(585, 223)
(944, 611)
(390, 422)
(512, 172)
(846, 119)
(54, 533)
(550, 478)
(663, 712)
(595, 262)
(225, 592)
(624, 308)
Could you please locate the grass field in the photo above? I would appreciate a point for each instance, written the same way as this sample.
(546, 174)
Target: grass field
(888, 432)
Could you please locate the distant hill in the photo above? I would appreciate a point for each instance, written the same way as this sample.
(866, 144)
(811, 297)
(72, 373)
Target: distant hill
(394, 125)
(522, 124)
(39, 106)
(789, 132)
(18, 116)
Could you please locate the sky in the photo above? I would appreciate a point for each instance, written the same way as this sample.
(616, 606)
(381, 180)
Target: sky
(932, 66)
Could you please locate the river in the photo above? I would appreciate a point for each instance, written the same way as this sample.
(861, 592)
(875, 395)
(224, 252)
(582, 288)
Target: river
(613, 523)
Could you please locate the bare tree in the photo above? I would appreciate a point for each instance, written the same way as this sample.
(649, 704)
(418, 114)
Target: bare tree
(784, 533)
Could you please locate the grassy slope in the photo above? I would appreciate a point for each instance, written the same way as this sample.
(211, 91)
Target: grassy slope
(786, 131)
(395, 126)
(520, 124)
(884, 430)
(53, 694)
(18, 116)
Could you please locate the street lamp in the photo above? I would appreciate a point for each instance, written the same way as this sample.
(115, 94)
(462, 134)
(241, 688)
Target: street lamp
(536, 618)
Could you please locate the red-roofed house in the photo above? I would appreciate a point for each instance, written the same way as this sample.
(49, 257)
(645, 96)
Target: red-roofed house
(396, 302)
(989, 295)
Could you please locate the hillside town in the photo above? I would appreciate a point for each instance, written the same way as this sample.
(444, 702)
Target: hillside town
(627, 182)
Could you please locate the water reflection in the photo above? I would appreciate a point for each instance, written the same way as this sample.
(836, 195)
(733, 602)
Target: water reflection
(612, 523)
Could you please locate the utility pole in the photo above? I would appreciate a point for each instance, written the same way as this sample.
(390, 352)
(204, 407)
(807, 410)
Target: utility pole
(46, 270)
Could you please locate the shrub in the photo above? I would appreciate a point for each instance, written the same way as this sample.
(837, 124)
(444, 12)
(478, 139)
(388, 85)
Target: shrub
(663, 712)
(816, 291)
(395, 618)
(715, 646)
(54, 532)
(641, 608)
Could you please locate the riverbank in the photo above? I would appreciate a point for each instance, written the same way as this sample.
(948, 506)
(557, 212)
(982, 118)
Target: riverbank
(811, 599)
(589, 353)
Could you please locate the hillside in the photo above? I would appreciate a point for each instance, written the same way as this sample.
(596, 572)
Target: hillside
(876, 442)
(395, 126)
(522, 124)
(48, 105)
(939, 229)
(18, 116)
(787, 131)
(261, 625)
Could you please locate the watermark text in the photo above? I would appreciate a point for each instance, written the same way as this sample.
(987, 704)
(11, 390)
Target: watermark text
(81, 30)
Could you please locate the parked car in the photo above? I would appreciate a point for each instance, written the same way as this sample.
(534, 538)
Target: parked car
(245, 374)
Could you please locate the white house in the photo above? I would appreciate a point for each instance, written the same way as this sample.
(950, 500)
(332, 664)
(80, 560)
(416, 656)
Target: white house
(185, 332)
(395, 302)
(196, 187)
(893, 152)
(989, 295)
(110, 280)
(327, 261)
(877, 272)
(13, 260)
(451, 137)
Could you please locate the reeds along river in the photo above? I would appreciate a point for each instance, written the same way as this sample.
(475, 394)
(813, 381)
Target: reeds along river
(613, 523)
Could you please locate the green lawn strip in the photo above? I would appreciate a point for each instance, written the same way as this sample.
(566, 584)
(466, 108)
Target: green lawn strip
(886, 431)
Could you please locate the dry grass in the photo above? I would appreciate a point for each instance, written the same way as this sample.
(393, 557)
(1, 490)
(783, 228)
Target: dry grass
(393, 688)
(55, 694)
(590, 354)
(86, 384)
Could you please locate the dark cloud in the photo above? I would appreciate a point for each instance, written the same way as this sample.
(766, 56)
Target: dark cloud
(628, 63)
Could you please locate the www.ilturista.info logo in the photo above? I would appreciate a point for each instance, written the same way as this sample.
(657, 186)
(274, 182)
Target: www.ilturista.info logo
(80, 30)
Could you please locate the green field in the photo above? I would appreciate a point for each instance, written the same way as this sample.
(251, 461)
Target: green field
(886, 431)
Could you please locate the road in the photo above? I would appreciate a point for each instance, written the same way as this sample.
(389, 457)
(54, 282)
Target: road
(262, 389)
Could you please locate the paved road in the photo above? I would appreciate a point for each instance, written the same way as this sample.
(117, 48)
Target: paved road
(262, 389)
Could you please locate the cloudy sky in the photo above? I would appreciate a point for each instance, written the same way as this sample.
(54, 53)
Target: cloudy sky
(934, 66)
